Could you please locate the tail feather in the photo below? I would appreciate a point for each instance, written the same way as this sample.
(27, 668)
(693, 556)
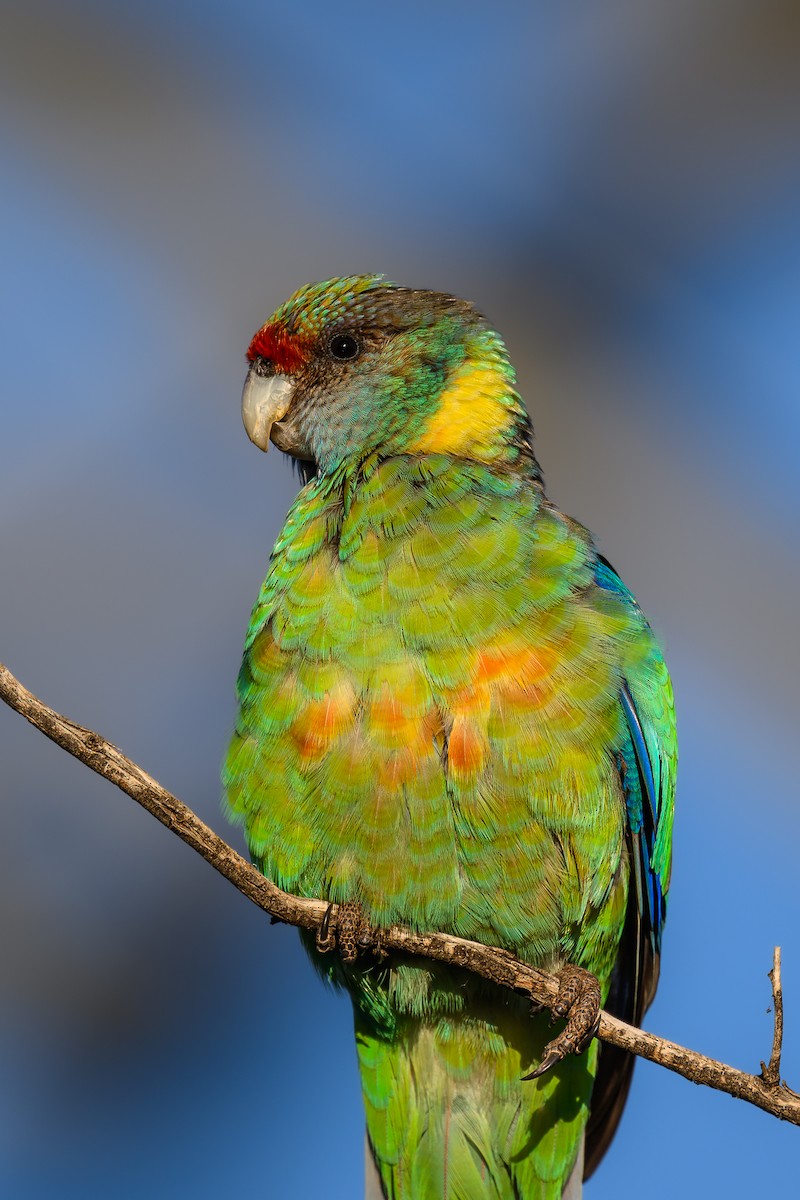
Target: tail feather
(373, 1188)
(449, 1118)
(573, 1189)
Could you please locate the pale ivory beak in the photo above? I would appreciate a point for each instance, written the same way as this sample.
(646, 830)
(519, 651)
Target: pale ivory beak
(264, 401)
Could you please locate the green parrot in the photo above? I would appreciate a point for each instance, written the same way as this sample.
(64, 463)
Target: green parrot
(452, 716)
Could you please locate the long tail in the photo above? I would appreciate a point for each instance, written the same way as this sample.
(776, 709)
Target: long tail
(448, 1117)
(373, 1188)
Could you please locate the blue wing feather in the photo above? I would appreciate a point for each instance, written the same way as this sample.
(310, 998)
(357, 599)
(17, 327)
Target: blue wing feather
(646, 764)
(643, 804)
(642, 778)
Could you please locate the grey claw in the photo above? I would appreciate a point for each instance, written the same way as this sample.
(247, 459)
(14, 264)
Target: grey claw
(324, 940)
(544, 1066)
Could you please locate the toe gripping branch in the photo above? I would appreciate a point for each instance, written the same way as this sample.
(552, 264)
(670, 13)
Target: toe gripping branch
(346, 926)
(578, 1000)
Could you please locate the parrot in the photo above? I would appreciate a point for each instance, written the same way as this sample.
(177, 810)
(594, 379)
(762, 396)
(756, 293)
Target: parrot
(452, 716)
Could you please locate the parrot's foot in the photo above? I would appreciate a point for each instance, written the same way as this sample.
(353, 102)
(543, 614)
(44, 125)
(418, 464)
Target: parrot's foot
(578, 1000)
(346, 926)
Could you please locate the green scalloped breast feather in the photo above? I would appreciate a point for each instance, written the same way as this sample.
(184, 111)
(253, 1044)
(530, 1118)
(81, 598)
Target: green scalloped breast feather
(429, 724)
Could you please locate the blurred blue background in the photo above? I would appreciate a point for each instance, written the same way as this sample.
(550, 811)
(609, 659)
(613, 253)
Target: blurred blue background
(617, 187)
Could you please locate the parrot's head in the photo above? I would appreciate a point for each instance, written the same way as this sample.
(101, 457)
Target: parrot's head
(357, 365)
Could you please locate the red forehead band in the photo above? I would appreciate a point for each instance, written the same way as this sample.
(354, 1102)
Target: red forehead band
(289, 352)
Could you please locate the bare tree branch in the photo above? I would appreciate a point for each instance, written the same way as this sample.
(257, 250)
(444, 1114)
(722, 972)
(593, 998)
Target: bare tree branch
(765, 1090)
(771, 1072)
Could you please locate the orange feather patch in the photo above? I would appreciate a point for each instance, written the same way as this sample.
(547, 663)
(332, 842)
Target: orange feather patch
(323, 721)
(466, 749)
(514, 663)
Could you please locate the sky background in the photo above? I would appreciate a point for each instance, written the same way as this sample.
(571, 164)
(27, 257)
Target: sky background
(616, 185)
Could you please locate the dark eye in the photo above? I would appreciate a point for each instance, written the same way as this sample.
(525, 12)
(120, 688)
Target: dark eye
(343, 346)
